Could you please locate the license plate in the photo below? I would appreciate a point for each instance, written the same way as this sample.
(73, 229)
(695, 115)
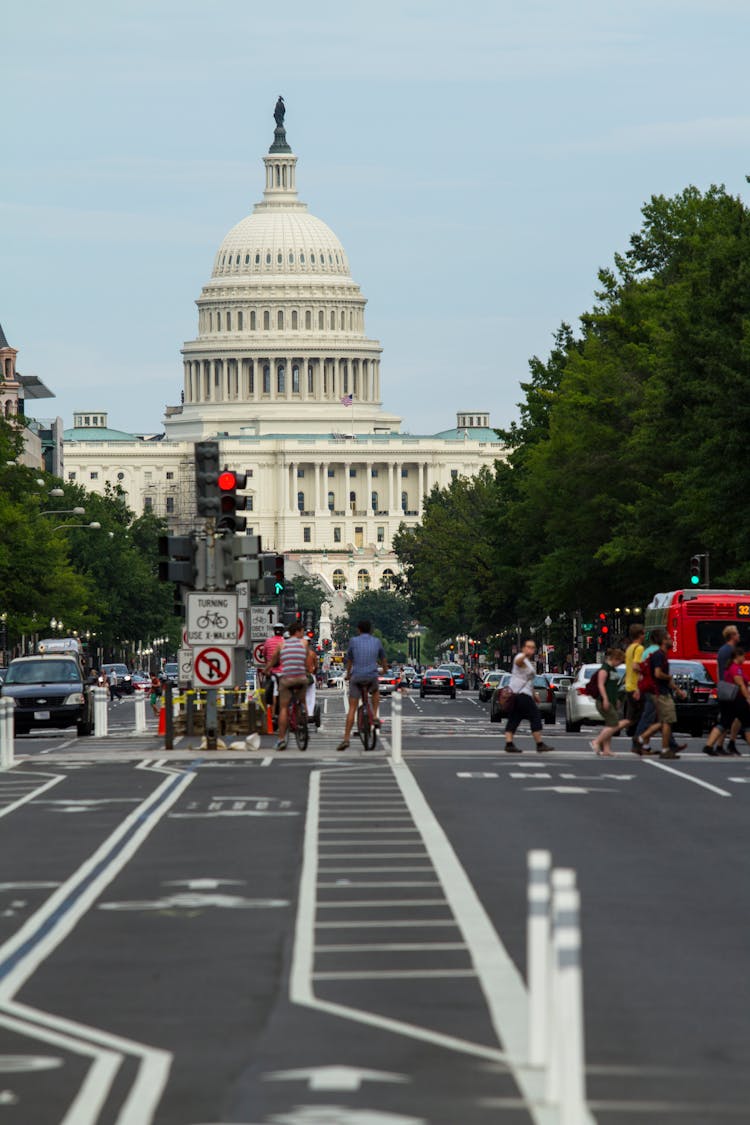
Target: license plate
(41, 715)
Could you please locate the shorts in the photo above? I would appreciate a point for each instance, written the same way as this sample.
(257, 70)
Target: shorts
(154, 698)
(286, 686)
(608, 712)
(665, 709)
(355, 687)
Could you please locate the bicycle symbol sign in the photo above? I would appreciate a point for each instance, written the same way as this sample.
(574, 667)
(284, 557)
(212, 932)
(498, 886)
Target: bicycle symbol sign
(212, 667)
(212, 618)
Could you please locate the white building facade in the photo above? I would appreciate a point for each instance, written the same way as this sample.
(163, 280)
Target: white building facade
(282, 374)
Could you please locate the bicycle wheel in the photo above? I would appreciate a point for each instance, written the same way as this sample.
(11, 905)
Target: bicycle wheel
(370, 733)
(363, 724)
(301, 733)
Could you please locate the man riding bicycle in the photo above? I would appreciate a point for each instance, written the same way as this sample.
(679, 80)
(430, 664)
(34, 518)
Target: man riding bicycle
(271, 661)
(293, 658)
(363, 655)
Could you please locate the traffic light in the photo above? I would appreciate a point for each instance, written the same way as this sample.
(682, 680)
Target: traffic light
(603, 626)
(207, 477)
(278, 573)
(309, 621)
(229, 502)
(176, 559)
(696, 569)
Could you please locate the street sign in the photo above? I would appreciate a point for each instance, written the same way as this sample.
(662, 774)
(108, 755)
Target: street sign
(211, 618)
(262, 620)
(212, 667)
(185, 666)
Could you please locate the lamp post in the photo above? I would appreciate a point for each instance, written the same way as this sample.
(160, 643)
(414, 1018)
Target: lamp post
(94, 525)
(4, 637)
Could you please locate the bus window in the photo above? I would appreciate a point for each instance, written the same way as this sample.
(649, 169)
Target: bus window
(710, 638)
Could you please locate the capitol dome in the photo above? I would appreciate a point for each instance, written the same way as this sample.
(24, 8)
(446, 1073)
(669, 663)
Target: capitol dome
(281, 343)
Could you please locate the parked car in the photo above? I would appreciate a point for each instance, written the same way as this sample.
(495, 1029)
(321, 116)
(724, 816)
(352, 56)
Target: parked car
(488, 685)
(437, 681)
(171, 673)
(140, 681)
(580, 707)
(124, 678)
(496, 715)
(49, 691)
(408, 673)
(460, 679)
(417, 681)
(543, 694)
(389, 682)
(560, 684)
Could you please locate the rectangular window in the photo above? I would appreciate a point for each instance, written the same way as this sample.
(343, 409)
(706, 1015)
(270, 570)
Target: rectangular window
(332, 472)
(307, 534)
(148, 503)
(300, 472)
(404, 472)
(381, 535)
(71, 475)
(352, 472)
(240, 320)
(337, 534)
(454, 474)
(170, 476)
(170, 505)
(374, 472)
(94, 475)
(249, 505)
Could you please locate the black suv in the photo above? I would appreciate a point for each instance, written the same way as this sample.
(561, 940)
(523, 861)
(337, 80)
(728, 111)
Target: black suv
(49, 691)
(698, 712)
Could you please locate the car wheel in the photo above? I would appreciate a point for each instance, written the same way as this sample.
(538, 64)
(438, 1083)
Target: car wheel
(572, 728)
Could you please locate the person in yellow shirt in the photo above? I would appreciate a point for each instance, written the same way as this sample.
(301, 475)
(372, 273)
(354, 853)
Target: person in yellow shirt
(633, 700)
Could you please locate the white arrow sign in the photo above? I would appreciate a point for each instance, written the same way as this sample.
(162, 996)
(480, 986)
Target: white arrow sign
(335, 1077)
(565, 789)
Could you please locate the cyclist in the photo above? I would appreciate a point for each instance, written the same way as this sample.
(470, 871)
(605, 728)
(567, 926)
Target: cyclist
(271, 656)
(293, 660)
(364, 654)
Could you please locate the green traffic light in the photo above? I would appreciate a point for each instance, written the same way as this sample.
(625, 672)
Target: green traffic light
(279, 587)
(694, 579)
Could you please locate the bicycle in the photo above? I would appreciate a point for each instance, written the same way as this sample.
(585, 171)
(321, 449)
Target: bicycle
(366, 729)
(298, 716)
(218, 620)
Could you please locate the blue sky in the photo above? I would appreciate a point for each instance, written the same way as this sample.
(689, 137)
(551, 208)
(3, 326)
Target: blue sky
(479, 162)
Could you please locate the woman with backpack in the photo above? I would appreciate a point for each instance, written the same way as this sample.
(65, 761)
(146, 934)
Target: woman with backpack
(605, 688)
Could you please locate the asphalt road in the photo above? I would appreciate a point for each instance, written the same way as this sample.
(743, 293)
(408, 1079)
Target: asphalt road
(242, 938)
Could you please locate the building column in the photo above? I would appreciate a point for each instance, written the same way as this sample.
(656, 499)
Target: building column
(347, 487)
(368, 492)
(399, 486)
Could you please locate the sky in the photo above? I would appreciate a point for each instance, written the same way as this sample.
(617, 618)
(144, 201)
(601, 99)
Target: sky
(480, 162)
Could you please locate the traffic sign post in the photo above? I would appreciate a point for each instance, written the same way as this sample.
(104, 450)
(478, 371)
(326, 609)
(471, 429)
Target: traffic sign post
(262, 620)
(212, 619)
(212, 666)
(185, 666)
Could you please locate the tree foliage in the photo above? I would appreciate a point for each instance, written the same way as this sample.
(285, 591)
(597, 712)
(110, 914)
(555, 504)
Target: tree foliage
(627, 456)
(387, 611)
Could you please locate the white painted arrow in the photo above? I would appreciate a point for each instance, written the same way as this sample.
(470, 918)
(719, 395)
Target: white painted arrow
(588, 777)
(740, 780)
(345, 1115)
(477, 775)
(203, 884)
(335, 1077)
(565, 789)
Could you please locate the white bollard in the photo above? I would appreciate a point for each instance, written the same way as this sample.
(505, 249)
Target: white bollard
(396, 727)
(561, 879)
(140, 712)
(6, 734)
(567, 1087)
(101, 726)
(537, 953)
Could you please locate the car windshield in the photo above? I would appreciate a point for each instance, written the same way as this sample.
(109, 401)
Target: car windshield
(43, 672)
(119, 668)
(692, 668)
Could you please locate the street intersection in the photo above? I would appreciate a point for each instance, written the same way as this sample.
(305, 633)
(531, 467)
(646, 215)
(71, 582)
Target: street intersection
(254, 938)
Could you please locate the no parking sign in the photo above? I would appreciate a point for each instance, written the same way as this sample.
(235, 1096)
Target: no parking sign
(212, 667)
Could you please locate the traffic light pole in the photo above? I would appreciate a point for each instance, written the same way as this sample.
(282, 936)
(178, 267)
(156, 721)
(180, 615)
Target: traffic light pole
(212, 693)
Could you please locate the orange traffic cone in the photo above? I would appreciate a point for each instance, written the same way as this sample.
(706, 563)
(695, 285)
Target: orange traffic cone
(269, 720)
(162, 721)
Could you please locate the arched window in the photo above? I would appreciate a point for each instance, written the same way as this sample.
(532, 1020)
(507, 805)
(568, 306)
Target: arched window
(308, 319)
(247, 259)
(331, 501)
(279, 258)
(257, 258)
(375, 504)
(278, 176)
(291, 258)
(363, 579)
(295, 380)
(346, 378)
(240, 321)
(280, 319)
(229, 322)
(266, 320)
(312, 258)
(268, 257)
(339, 579)
(320, 319)
(343, 320)
(294, 319)
(333, 321)
(404, 501)
(352, 500)
(218, 322)
(266, 379)
(310, 382)
(253, 321)
(281, 379)
(386, 582)
(300, 501)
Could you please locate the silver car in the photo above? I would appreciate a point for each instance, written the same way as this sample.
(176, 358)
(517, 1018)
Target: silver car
(580, 707)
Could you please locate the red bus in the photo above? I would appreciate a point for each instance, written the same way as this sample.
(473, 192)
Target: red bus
(696, 618)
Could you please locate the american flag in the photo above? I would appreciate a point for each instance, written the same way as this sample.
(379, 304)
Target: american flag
(347, 400)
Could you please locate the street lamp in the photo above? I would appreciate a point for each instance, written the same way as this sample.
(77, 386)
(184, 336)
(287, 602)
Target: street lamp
(64, 512)
(94, 525)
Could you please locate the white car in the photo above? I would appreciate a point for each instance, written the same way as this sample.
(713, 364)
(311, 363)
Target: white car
(580, 707)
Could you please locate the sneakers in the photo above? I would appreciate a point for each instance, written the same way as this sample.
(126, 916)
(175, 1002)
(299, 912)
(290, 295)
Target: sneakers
(281, 744)
(669, 754)
(511, 748)
(732, 749)
(710, 751)
(343, 745)
(543, 746)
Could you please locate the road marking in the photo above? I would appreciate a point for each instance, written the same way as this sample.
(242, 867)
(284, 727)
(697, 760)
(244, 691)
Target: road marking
(334, 1077)
(740, 780)
(397, 974)
(688, 777)
(477, 775)
(382, 903)
(407, 922)
(525, 776)
(391, 946)
(567, 789)
(374, 870)
(54, 780)
(346, 883)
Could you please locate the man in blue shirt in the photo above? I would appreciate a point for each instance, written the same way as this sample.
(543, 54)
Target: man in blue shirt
(364, 654)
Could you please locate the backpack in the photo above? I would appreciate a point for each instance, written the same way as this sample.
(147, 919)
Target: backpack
(646, 682)
(592, 687)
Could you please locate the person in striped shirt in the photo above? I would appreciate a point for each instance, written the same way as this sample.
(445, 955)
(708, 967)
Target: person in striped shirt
(293, 660)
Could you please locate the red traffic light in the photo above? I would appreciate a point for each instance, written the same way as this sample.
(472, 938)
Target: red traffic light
(605, 629)
(227, 481)
(602, 617)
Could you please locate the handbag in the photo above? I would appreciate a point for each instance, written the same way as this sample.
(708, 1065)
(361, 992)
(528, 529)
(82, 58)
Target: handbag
(505, 700)
(726, 692)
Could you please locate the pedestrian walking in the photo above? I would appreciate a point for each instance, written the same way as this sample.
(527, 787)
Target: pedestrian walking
(523, 704)
(155, 696)
(114, 685)
(664, 686)
(728, 721)
(633, 697)
(607, 698)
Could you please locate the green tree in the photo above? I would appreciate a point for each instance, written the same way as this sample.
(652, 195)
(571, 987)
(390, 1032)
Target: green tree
(311, 594)
(387, 611)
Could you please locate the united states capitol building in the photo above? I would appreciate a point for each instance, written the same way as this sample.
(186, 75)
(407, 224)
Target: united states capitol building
(282, 373)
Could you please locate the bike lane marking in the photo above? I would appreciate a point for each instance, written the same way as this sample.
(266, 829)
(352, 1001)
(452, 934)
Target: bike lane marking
(47, 928)
(54, 779)
(688, 777)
